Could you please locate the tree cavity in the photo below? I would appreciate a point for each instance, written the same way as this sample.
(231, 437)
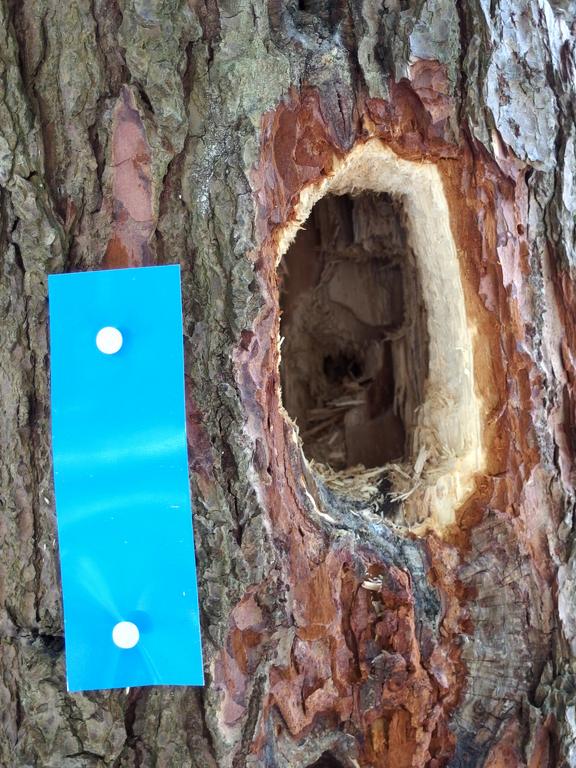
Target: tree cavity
(355, 352)
(376, 357)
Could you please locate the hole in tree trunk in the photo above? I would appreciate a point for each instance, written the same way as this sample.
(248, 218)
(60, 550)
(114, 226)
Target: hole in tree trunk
(326, 760)
(355, 352)
(377, 366)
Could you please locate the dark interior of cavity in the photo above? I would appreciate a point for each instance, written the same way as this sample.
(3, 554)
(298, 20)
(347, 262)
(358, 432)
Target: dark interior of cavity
(326, 760)
(354, 350)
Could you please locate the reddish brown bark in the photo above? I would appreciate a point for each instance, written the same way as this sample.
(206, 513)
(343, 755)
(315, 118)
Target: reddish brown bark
(403, 717)
(133, 218)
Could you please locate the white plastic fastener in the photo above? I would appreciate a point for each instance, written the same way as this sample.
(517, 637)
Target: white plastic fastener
(125, 634)
(109, 340)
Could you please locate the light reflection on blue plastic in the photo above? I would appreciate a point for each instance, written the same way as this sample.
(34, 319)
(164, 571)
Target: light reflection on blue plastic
(121, 478)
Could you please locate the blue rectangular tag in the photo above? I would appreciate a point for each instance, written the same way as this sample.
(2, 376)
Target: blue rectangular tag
(121, 479)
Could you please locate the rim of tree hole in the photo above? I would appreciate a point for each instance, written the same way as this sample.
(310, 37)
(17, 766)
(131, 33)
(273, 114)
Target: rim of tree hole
(376, 348)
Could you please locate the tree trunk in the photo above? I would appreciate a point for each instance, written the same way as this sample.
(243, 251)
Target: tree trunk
(413, 611)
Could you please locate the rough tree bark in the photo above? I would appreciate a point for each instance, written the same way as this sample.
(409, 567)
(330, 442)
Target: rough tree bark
(137, 132)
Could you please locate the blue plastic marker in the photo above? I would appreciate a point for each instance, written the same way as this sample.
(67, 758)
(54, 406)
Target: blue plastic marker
(121, 479)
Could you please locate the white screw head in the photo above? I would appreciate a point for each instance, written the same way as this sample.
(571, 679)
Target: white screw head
(109, 340)
(125, 634)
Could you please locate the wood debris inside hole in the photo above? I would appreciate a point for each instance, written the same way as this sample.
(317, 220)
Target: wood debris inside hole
(355, 354)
